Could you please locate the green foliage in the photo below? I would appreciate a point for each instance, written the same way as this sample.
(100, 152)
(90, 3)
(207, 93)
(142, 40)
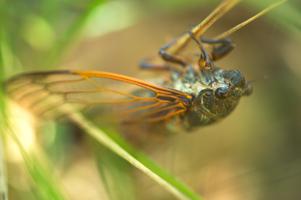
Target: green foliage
(115, 173)
(3, 181)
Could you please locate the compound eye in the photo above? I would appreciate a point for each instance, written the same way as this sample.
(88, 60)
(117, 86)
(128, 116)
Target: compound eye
(221, 92)
(235, 78)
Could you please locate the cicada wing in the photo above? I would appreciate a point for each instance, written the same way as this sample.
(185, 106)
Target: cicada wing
(128, 99)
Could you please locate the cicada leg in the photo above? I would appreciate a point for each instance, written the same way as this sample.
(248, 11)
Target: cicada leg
(165, 55)
(149, 65)
(204, 60)
(225, 46)
(170, 51)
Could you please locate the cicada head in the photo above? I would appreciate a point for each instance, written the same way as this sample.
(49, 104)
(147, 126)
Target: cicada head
(219, 97)
(234, 84)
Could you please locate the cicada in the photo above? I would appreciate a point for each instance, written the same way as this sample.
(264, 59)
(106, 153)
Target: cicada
(196, 93)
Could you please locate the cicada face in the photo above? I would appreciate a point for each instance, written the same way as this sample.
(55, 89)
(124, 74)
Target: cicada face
(219, 97)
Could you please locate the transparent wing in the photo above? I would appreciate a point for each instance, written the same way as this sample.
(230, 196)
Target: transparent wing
(130, 99)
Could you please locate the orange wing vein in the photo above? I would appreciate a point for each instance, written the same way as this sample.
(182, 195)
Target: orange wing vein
(132, 99)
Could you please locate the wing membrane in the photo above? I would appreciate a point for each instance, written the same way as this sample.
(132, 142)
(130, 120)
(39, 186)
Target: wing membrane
(131, 99)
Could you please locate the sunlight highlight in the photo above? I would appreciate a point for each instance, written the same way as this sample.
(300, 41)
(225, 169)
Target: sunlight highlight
(111, 16)
(22, 125)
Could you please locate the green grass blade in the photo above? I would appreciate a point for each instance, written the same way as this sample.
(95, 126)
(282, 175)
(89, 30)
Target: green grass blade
(138, 160)
(115, 172)
(3, 121)
(45, 185)
(3, 181)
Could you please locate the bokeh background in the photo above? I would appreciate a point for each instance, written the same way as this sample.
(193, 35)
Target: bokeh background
(252, 154)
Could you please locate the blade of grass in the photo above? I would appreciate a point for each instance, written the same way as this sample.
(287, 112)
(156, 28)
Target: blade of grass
(137, 159)
(3, 182)
(3, 178)
(115, 173)
(45, 185)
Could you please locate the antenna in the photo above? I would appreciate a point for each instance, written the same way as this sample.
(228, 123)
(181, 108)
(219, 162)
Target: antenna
(251, 19)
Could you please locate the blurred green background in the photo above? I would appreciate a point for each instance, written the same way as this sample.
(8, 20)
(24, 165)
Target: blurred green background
(252, 154)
